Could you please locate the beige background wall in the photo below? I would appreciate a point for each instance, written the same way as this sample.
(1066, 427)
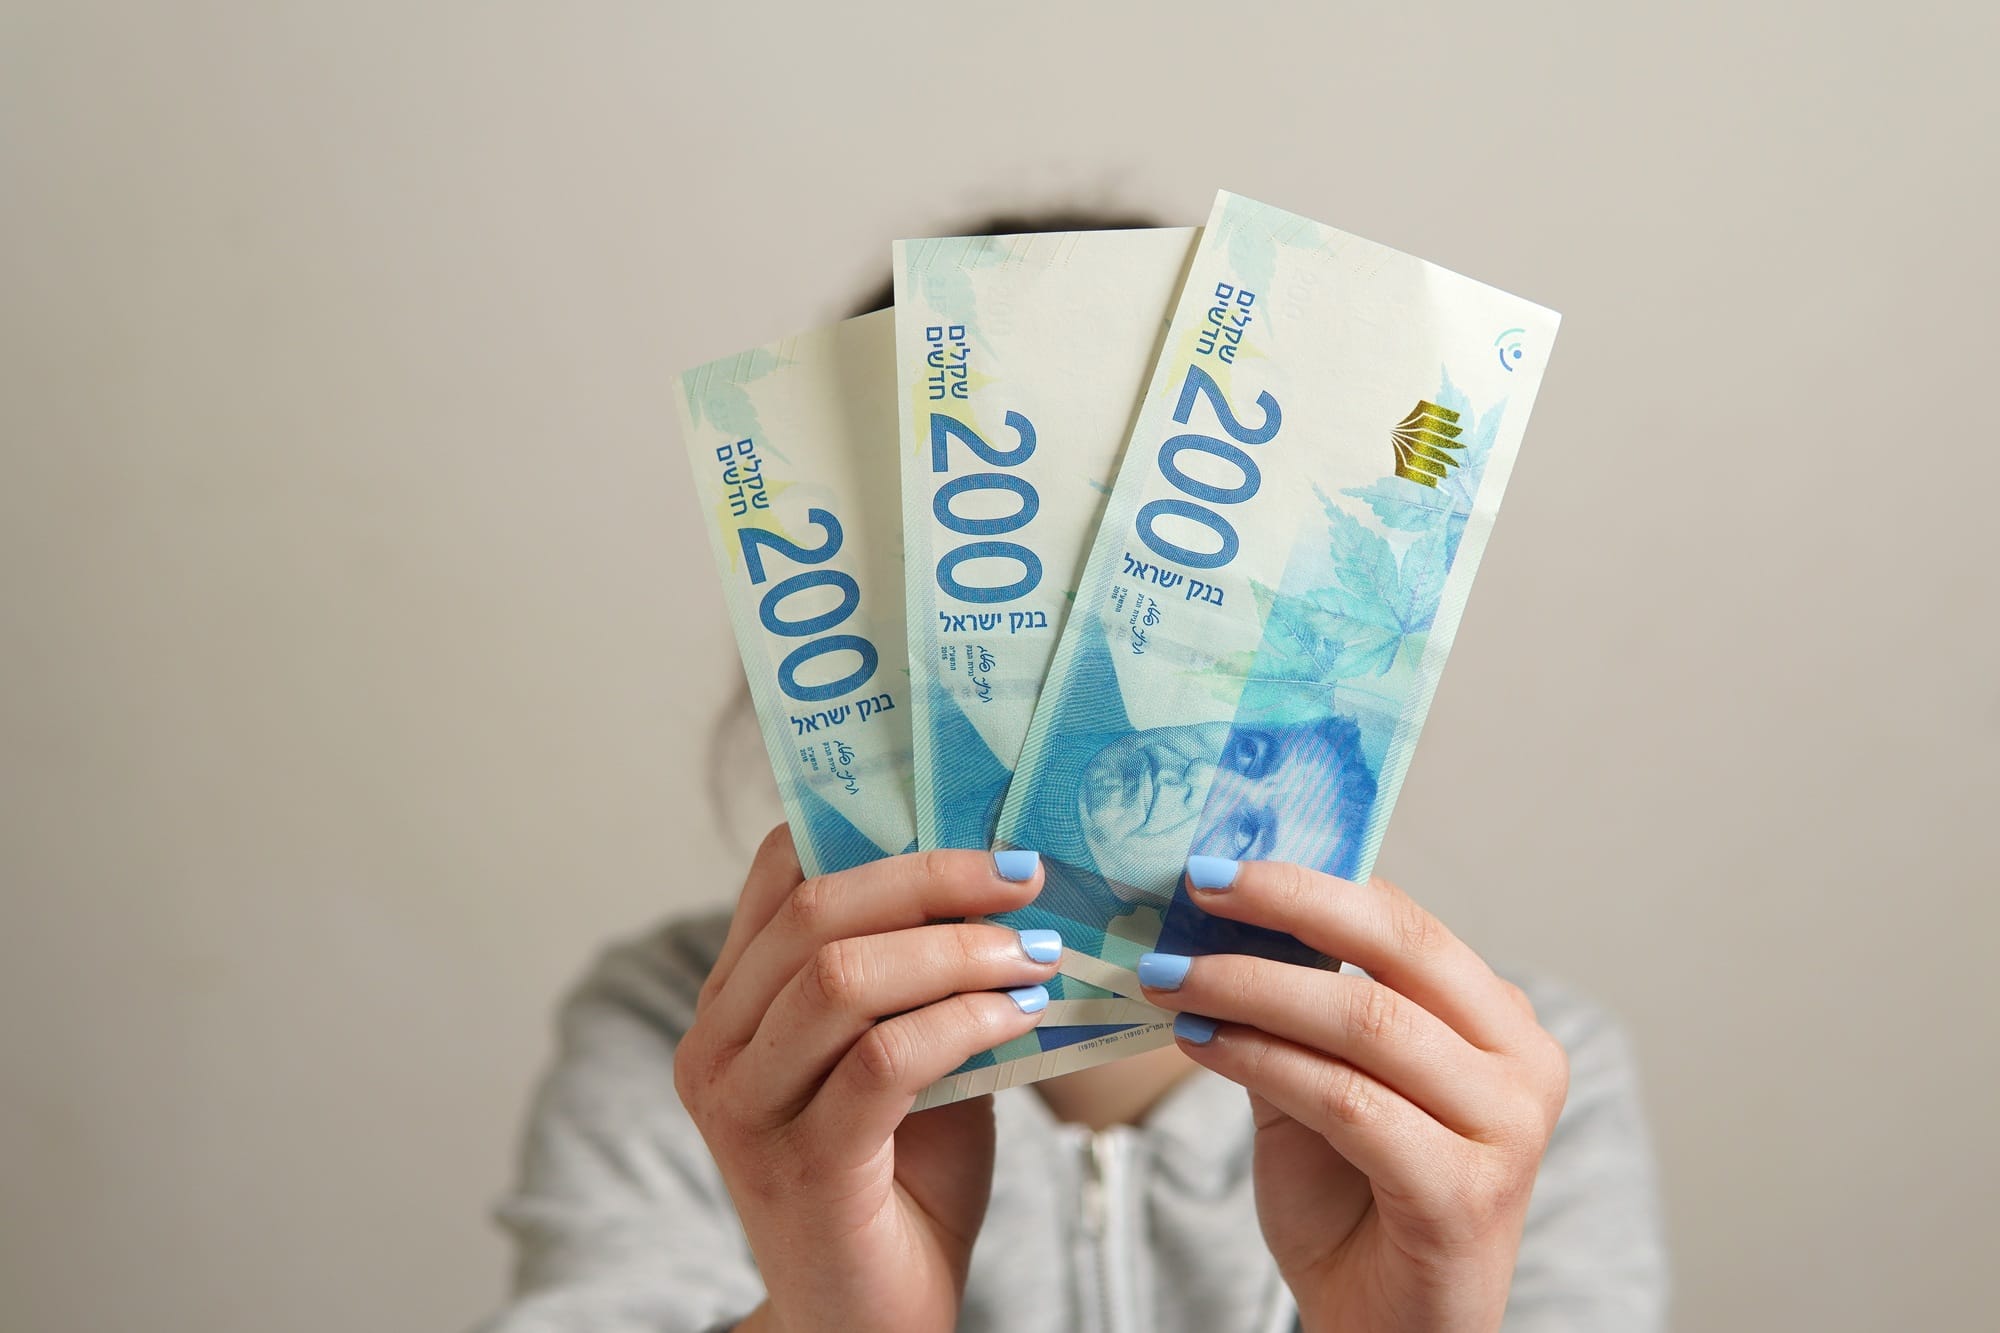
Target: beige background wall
(357, 638)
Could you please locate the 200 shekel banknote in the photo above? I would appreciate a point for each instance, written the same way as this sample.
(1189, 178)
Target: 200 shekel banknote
(1276, 582)
(1020, 361)
(794, 453)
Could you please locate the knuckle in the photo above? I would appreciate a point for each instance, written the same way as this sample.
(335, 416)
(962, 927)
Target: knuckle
(1554, 1082)
(881, 1058)
(1554, 1055)
(1347, 1096)
(1468, 1197)
(1293, 886)
(1471, 1199)
(973, 947)
(687, 1081)
(982, 1018)
(1377, 1015)
(1417, 933)
(1528, 1113)
(697, 1068)
(935, 869)
(1533, 1121)
(703, 1086)
(744, 1113)
(1253, 1057)
(833, 978)
(809, 907)
(1496, 1193)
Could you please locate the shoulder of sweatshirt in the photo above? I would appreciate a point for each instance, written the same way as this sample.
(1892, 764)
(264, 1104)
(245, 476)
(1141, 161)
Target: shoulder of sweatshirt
(652, 979)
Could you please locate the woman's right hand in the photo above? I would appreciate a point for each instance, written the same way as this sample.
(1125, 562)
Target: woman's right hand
(834, 1002)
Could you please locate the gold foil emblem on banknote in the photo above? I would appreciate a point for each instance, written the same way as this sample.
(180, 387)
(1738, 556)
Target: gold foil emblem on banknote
(1423, 441)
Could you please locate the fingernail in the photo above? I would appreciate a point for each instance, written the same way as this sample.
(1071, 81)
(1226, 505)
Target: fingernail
(1212, 873)
(1030, 999)
(1164, 971)
(1194, 1028)
(1044, 946)
(1017, 865)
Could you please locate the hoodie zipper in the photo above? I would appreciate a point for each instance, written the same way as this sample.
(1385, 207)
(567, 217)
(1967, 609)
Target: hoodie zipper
(1106, 1227)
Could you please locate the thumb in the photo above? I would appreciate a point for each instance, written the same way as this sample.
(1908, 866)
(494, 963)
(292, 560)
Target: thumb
(944, 1161)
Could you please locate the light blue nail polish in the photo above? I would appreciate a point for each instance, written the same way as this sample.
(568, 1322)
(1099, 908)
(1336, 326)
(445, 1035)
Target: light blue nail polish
(1164, 971)
(1030, 999)
(1194, 1028)
(1017, 865)
(1044, 946)
(1214, 873)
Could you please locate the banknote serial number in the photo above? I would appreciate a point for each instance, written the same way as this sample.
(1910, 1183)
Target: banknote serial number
(986, 551)
(1229, 479)
(818, 629)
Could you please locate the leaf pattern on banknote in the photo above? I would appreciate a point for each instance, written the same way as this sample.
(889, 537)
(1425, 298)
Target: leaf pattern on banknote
(1369, 603)
(944, 276)
(1315, 637)
(1253, 256)
(1399, 504)
(725, 401)
(1420, 579)
(1367, 576)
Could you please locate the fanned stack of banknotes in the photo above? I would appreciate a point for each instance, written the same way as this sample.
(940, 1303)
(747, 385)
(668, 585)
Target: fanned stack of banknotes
(1121, 546)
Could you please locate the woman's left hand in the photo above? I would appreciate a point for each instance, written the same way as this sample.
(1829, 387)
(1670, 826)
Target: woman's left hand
(1401, 1116)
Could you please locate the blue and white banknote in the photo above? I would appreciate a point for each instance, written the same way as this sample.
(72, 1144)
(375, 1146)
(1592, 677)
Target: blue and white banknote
(1274, 588)
(1019, 364)
(794, 453)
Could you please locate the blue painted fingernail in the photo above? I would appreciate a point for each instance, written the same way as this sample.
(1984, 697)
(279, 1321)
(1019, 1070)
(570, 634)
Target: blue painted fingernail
(1164, 971)
(1017, 865)
(1213, 873)
(1194, 1028)
(1044, 946)
(1030, 999)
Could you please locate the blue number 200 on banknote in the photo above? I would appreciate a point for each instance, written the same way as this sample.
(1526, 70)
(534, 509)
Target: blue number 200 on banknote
(1019, 362)
(1276, 582)
(794, 453)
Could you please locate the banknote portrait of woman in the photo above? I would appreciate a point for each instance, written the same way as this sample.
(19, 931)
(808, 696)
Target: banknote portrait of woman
(1295, 771)
(1120, 809)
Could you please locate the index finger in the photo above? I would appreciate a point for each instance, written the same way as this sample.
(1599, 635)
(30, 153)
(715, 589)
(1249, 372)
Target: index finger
(894, 893)
(1375, 926)
(774, 873)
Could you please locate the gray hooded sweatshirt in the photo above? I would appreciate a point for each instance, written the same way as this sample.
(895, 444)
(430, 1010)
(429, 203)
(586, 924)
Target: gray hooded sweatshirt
(623, 1225)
